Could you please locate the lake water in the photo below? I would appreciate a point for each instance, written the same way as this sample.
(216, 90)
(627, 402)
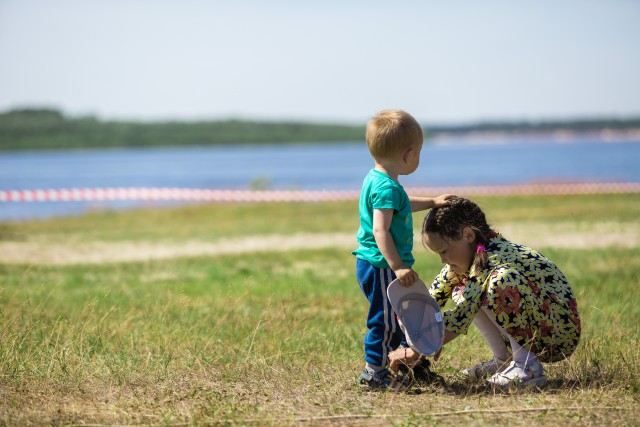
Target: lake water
(321, 166)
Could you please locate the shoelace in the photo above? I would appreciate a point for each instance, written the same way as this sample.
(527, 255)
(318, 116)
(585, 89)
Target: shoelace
(513, 365)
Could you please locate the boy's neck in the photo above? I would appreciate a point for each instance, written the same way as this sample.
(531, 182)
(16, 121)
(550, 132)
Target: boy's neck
(388, 170)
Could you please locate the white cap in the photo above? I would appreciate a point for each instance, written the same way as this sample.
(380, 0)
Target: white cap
(419, 316)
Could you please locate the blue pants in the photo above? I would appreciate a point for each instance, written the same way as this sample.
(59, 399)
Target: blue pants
(384, 333)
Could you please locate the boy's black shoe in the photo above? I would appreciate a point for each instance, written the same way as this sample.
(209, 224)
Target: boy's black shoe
(384, 381)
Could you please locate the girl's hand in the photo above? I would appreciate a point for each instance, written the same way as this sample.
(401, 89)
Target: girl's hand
(403, 356)
(437, 355)
(448, 337)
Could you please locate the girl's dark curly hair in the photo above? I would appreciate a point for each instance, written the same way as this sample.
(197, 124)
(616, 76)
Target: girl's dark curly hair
(449, 221)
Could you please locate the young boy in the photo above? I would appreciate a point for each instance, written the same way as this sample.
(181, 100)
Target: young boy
(395, 140)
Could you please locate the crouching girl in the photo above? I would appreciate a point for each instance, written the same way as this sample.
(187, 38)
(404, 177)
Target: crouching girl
(518, 299)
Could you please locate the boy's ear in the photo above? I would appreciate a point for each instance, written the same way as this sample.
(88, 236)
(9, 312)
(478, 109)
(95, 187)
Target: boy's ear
(407, 153)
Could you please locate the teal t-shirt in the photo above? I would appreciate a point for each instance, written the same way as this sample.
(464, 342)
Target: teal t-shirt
(379, 191)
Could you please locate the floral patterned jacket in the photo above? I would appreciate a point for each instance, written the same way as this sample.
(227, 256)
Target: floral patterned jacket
(528, 294)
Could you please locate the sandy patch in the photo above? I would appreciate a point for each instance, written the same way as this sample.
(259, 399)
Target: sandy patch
(101, 252)
(557, 235)
(574, 235)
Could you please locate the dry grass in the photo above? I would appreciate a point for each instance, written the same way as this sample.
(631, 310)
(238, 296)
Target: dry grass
(274, 338)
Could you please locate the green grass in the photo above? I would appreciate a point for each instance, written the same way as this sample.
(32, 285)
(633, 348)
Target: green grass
(233, 220)
(276, 338)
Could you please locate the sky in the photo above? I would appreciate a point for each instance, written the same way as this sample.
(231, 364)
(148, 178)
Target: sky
(456, 61)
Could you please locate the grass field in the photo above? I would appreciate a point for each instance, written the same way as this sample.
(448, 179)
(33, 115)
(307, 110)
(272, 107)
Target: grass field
(275, 338)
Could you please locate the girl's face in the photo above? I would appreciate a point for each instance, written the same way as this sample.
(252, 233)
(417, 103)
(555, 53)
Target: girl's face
(457, 254)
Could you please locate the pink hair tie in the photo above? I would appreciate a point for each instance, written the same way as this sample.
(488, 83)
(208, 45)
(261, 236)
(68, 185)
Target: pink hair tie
(480, 248)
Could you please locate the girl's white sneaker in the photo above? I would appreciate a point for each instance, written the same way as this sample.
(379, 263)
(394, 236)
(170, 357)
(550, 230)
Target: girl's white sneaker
(481, 370)
(520, 375)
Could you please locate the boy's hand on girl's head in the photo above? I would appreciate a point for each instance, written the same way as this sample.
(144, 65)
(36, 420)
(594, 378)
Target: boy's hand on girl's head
(442, 200)
(406, 276)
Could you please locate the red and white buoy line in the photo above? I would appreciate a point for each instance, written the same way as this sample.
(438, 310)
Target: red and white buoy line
(214, 195)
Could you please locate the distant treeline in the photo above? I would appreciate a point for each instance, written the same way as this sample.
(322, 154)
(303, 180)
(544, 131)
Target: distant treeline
(31, 129)
(48, 129)
(578, 126)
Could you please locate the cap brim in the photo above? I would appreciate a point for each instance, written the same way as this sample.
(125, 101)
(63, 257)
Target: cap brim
(420, 315)
(396, 291)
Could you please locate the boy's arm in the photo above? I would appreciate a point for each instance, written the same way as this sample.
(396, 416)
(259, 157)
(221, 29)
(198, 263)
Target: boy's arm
(424, 203)
(381, 223)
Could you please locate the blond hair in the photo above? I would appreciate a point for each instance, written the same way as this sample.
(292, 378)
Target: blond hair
(391, 132)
